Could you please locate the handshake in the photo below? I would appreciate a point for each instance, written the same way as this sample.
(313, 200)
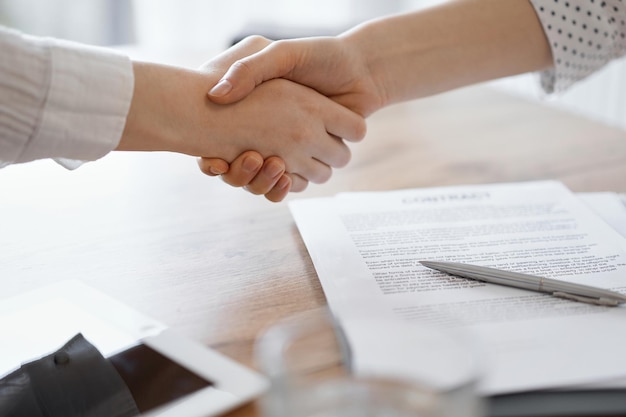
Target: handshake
(274, 116)
(269, 116)
(301, 121)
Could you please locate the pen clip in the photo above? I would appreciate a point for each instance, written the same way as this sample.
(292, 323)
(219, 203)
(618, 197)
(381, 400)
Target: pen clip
(589, 300)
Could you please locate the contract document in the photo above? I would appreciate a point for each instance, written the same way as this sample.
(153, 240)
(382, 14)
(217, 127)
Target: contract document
(366, 249)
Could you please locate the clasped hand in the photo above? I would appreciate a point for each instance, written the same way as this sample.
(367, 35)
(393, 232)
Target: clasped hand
(295, 134)
(331, 66)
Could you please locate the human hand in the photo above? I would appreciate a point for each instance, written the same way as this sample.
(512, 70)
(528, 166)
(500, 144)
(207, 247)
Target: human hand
(249, 170)
(218, 67)
(304, 128)
(326, 64)
(330, 65)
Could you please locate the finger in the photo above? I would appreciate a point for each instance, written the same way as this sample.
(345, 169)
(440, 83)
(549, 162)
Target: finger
(337, 123)
(274, 61)
(213, 166)
(315, 171)
(280, 190)
(344, 123)
(326, 153)
(243, 169)
(269, 175)
(298, 183)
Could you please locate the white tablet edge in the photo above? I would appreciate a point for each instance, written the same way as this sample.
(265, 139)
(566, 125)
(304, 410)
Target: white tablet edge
(233, 384)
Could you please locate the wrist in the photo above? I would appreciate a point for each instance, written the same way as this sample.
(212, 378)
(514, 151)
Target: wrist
(359, 53)
(383, 47)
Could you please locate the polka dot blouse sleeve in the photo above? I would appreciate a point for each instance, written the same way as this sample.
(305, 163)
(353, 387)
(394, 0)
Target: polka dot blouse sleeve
(584, 36)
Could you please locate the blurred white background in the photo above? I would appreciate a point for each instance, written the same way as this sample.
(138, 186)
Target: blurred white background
(186, 23)
(204, 27)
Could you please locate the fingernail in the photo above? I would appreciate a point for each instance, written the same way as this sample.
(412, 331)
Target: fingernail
(251, 164)
(215, 171)
(221, 88)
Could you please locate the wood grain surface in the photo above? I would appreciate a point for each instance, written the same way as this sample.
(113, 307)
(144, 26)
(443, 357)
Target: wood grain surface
(221, 265)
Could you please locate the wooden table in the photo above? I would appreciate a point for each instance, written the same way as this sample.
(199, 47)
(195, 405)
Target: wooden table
(220, 264)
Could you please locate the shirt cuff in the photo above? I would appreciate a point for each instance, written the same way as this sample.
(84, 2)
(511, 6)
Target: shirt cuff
(87, 103)
(582, 39)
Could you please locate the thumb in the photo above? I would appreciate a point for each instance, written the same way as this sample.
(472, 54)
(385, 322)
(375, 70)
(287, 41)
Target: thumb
(245, 74)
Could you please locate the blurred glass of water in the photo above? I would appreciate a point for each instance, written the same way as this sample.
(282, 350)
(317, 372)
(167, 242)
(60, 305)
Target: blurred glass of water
(379, 368)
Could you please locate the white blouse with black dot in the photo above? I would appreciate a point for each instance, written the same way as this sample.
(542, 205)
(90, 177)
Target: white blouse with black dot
(584, 36)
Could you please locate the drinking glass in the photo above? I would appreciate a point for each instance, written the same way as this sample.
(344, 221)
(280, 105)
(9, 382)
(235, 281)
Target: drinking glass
(364, 366)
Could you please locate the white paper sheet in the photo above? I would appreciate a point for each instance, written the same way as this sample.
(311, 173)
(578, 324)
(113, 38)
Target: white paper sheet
(610, 206)
(366, 248)
(39, 322)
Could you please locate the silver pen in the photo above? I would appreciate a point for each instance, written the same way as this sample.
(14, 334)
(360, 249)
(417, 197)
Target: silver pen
(563, 289)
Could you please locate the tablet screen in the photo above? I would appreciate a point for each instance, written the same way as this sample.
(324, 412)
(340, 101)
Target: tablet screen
(153, 379)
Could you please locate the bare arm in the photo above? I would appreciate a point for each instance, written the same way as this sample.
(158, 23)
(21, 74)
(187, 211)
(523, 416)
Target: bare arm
(395, 58)
(170, 112)
(402, 57)
(452, 45)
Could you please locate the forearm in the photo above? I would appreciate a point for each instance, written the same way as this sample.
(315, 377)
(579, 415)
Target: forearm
(456, 44)
(168, 111)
